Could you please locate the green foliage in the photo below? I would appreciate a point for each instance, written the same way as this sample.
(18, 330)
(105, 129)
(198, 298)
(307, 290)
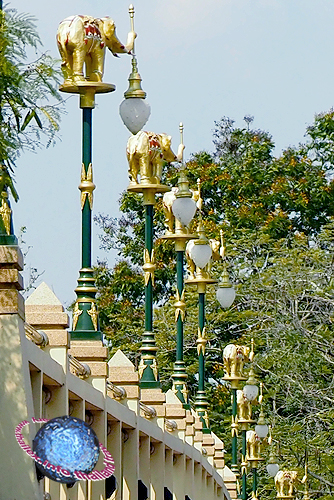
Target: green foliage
(277, 215)
(30, 104)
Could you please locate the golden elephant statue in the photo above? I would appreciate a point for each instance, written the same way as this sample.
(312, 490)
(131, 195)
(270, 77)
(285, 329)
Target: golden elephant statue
(285, 481)
(234, 358)
(82, 40)
(244, 407)
(146, 153)
(253, 446)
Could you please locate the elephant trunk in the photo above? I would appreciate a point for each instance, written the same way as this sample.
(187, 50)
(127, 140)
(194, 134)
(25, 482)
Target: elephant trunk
(130, 41)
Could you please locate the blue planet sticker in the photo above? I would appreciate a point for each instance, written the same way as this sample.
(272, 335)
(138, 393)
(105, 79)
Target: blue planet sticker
(66, 449)
(69, 442)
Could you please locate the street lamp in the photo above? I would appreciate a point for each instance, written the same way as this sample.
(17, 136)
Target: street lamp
(200, 252)
(225, 292)
(134, 110)
(184, 206)
(261, 427)
(251, 390)
(272, 466)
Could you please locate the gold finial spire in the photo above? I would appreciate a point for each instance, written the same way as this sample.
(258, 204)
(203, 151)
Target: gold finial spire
(222, 247)
(200, 199)
(261, 393)
(132, 24)
(181, 136)
(134, 89)
(181, 146)
(252, 353)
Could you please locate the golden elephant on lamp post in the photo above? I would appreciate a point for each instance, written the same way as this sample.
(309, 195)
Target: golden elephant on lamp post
(285, 481)
(146, 154)
(234, 358)
(82, 40)
(253, 447)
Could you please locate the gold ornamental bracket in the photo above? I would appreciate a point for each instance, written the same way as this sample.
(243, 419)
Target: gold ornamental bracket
(76, 313)
(143, 365)
(180, 306)
(87, 186)
(234, 426)
(201, 341)
(93, 313)
(149, 266)
(5, 212)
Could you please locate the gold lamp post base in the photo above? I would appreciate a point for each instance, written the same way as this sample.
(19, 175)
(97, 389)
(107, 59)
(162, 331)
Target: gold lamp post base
(180, 239)
(149, 190)
(87, 91)
(254, 462)
(234, 380)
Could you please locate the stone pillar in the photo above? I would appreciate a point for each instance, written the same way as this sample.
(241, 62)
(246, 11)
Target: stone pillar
(44, 311)
(155, 398)
(122, 373)
(17, 469)
(175, 411)
(230, 481)
(95, 355)
(190, 431)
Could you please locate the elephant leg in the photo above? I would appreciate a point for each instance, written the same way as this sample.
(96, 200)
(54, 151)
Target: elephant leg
(157, 171)
(145, 169)
(66, 62)
(88, 63)
(97, 65)
(78, 62)
(133, 169)
(281, 489)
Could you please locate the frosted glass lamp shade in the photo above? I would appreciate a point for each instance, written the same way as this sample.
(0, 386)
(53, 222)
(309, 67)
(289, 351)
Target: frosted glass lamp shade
(201, 254)
(134, 112)
(272, 469)
(184, 210)
(225, 296)
(250, 392)
(262, 430)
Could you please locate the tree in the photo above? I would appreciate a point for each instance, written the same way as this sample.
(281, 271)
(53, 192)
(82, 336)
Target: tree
(277, 217)
(30, 104)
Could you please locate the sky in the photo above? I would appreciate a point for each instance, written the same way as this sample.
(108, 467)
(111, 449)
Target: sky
(199, 61)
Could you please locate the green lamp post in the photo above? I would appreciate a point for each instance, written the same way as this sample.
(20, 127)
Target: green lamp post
(199, 254)
(134, 111)
(74, 56)
(179, 209)
(85, 314)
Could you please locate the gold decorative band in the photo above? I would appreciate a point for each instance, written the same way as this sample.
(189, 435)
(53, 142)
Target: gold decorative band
(87, 186)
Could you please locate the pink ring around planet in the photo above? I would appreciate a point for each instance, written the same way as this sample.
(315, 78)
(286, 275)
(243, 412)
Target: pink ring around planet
(95, 475)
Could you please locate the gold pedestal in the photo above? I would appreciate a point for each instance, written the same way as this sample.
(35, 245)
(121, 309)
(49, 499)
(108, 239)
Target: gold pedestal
(87, 91)
(149, 190)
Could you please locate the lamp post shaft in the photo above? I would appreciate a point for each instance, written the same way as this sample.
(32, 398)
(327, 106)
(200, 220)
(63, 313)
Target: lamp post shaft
(86, 211)
(234, 465)
(85, 314)
(254, 488)
(201, 324)
(201, 402)
(148, 369)
(149, 286)
(179, 324)
(179, 375)
(244, 470)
